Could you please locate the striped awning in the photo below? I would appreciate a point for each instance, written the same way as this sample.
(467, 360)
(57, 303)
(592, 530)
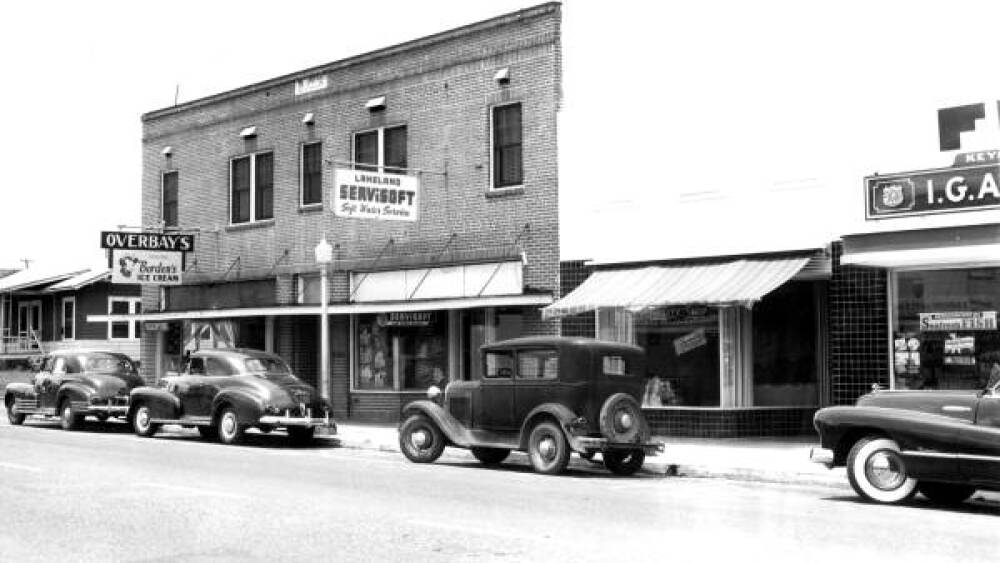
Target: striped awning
(734, 282)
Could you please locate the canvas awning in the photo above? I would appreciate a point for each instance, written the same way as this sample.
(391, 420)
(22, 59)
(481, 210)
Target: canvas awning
(732, 282)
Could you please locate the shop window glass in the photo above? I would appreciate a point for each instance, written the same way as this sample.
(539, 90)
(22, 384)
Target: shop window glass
(784, 347)
(474, 335)
(945, 328)
(406, 351)
(682, 355)
(170, 199)
(507, 166)
(312, 173)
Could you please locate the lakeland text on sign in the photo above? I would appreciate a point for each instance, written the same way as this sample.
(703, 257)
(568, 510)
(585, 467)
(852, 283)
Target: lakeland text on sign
(925, 192)
(146, 267)
(147, 241)
(373, 195)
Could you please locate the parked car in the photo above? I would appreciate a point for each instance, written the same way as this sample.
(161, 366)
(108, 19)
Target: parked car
(223, 392)
(547, 396)
(944, 444)
(73, 384)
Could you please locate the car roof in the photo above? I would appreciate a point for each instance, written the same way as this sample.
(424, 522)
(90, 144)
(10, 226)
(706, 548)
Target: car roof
(233, 352)
(75, 351)
(578, 342)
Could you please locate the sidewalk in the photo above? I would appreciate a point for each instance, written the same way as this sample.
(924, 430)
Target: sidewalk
(773, 460)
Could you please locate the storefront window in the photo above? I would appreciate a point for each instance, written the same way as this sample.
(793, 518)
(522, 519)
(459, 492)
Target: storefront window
(482, 326)
(375, 369)
(945, 328)
(785, 369)
(682, 355)
(407, 351)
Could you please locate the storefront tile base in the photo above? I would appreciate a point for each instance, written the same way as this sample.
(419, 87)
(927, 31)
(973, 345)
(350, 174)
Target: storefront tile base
(731, 423)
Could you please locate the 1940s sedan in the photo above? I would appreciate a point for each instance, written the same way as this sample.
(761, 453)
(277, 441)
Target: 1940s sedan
(548, 396)
(73, 384)
(944, 444)
(223, 392)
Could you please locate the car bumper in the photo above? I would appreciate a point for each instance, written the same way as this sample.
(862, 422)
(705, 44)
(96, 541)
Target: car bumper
(585, 444)
(821, 456)
(298, 421)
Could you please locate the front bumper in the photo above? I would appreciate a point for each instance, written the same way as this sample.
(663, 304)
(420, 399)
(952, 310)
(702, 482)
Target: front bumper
(588, 444)
(821, 456)
(307, 421)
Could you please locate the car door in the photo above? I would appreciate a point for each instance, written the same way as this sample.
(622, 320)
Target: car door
(189, 388)
(495, 407)
(45, 389)
(535, 381)
(982, 463)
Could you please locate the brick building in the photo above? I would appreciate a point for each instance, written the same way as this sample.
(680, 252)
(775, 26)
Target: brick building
(431, 169)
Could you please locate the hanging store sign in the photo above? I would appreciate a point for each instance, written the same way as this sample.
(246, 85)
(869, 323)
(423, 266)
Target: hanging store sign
(374, 195)
(416, 318)
(147, 241)
(928, 192)
(690, 341)
(958, 320)
(146, 267)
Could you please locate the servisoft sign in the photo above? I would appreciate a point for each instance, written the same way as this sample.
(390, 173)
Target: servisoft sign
(373, 195)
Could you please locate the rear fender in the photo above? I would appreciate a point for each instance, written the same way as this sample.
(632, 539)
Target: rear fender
(552, 411)
(161, 403)
(454, 431)
(20, 391)
(249, 407)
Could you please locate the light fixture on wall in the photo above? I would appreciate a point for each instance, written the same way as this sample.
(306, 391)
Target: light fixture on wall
(308, 119)
(375, 104)
(248, 132)
(167, 150)
(502, 76)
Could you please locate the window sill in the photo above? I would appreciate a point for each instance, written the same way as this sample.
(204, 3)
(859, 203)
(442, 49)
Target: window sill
(311, 208)
(252, 225)
(505, 192)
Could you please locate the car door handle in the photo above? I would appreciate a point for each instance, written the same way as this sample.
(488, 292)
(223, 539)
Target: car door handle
(955, 408)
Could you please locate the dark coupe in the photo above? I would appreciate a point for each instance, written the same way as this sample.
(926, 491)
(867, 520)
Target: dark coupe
(944, 444)
(73, 384)
(548, 396)
(223, 392)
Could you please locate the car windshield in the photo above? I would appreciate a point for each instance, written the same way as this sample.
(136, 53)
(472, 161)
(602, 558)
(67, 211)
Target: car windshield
(268, 367)
(106, 363)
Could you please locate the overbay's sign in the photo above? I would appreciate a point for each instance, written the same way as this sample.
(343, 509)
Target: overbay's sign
(146, 267)
(374, 195)
(924, 192)
(147, 241)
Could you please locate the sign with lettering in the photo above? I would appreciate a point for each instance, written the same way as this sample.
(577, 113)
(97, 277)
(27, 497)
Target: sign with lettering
(414, 318)
(311, 84)
(152, 267)
(375, 195)
(951, 321)
(147, 241)
(944, 190)
(690, 341)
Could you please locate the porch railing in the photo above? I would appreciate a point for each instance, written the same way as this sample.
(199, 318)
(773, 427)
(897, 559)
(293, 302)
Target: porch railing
(22, 342)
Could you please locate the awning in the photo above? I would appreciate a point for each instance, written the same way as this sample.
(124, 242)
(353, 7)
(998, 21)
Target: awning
(952, 247)
(80, 280)
(530, 300)
(34, 278)
(733, 282)
(928, 258)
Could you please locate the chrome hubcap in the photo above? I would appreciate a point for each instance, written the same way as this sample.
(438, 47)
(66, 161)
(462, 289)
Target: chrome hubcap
(625, 421)
(67, 412)
(228, 424)
(885, 470)
(142, 418)
(420, 439)
(547, 448)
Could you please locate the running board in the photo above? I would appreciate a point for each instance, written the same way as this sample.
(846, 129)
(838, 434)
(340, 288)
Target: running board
(186, 421)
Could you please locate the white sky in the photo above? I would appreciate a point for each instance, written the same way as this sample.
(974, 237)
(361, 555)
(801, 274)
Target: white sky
(776, 109)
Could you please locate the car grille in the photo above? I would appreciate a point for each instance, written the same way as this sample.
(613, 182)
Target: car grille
(118, 401)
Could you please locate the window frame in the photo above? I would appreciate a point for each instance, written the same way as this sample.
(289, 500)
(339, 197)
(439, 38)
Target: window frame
(177, 198)
(302, 174)
(380, 166)
(493, 187)
(252, 212)
(134, 307)
(72, 325)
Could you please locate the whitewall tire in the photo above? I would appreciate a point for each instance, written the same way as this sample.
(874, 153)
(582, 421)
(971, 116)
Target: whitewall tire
(878, 473)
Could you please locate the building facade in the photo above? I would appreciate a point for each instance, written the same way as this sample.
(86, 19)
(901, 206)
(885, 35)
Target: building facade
(431, 169)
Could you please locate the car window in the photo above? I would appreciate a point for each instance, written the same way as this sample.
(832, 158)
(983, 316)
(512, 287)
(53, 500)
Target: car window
(499, 365)
(106, 363)
(265, 365)
(49, 362)
(615, 365)
(59, 364)
(537, 364)
(196, 366)
(218, 367)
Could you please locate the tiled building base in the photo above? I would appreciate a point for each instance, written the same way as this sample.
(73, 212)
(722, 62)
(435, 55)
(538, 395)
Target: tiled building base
(731, 423)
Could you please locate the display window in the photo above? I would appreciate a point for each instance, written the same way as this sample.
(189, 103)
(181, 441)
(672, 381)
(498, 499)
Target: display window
(944, 328)
(785, 358)
(401, 351)
(682, 355)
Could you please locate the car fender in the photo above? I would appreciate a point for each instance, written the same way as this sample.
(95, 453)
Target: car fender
(20, 391)
(249, 407)
(561, 413)
(161, 403)
(454, 431)
(75, 391)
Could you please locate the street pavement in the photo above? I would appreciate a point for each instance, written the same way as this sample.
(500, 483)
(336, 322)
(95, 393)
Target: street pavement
(104, 494)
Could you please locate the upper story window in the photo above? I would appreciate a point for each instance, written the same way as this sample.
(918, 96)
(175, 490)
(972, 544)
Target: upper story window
(507, 167)
(122, 330)
(311, 168)
(169, 186)
(251, 188)
(381, 150)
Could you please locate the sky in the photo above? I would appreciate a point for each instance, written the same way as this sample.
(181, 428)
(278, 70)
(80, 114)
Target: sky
(687, 128)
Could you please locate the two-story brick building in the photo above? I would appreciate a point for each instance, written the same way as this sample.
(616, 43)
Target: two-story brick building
(430, 166)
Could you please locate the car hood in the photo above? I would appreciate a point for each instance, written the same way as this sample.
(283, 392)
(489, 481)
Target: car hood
(932, 402)
(108, 385)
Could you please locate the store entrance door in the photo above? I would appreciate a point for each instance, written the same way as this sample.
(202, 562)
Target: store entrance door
(29, 323)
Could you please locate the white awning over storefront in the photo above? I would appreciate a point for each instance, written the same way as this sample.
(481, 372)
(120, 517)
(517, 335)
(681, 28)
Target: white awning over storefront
(968, 246)
(927, 258)
(732, 282)
(531, 300)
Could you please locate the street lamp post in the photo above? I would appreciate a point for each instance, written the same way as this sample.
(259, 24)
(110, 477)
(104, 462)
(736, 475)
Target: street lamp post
(324, 255)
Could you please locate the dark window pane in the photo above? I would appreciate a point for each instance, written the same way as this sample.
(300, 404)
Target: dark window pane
(395, 150)
(312, 173)
(119, 308)
(119, 330)
(507, 165)
(170, 199)
(240, 172)
(366, 150)
(264, 187)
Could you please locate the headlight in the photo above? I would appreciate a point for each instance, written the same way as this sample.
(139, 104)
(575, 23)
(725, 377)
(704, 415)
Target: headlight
(433, 391)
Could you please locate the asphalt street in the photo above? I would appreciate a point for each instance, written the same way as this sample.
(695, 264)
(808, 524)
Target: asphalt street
(104, 494)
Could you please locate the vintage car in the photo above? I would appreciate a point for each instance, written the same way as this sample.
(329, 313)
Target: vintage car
(547, 396)
(73, 384)
(223, 392)
(944, 444)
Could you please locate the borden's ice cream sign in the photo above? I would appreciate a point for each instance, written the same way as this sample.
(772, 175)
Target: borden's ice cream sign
(373, 195)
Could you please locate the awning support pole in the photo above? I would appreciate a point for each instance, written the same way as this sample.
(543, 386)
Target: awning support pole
(428, 270)
(496, 268)
(374, 262)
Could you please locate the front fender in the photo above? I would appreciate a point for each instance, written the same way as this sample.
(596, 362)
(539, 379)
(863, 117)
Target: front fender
(75, 391)
(563, 415)
(161, 403)
(454, 430)
(249, 407)
(20, 391)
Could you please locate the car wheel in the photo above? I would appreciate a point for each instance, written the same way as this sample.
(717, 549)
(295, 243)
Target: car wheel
(300, 435)
(877, 472)
(624, 462)
(420, 440)
(15, 418)
(490, 456)
(547, 449)
(68, 419)
(208, 433)
(621, 419)
(945, 493)
(229, 428)
(142, 421)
